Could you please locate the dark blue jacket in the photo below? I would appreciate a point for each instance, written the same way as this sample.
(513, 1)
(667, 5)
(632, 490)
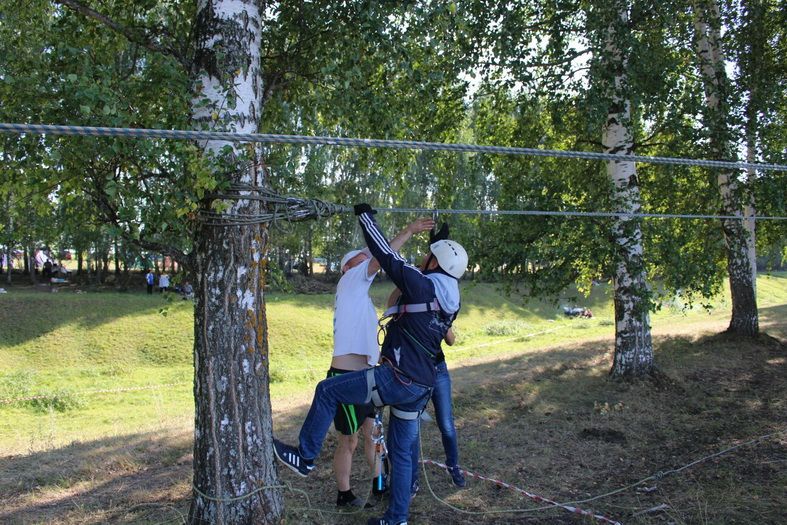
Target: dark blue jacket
(412, 340)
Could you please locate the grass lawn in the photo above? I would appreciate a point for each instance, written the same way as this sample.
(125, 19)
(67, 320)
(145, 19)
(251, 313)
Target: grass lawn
(533, 407)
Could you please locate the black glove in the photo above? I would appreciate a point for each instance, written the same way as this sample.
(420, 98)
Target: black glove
(439, 235)
(363, 208)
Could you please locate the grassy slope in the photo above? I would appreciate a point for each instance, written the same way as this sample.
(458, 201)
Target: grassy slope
(548, 421)
(65, 344)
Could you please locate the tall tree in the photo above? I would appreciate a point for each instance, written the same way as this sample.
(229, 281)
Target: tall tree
(574, 61)
(633, 345)
(721, 145)
(233, 454)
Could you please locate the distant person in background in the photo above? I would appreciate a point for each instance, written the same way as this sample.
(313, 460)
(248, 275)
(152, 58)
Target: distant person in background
(150, 279)
(187, 292)
(62, 271)
(163, 283)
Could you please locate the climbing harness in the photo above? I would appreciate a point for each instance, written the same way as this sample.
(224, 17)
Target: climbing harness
(373, 394)
(399, 309)
(396, 311)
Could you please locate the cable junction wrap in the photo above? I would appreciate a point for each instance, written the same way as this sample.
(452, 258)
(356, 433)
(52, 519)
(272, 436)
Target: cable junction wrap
(281, 208)
(271, 138)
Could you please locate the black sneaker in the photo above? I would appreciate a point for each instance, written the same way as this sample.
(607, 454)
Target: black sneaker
(414, 489)
(351, 500)
(457, 476)
(383, 521)
(292, 458)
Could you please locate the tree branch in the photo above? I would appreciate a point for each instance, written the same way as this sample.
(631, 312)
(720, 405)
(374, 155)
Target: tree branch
(139, 37)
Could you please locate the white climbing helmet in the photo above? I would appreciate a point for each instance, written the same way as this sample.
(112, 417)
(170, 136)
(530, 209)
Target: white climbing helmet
(450, 256)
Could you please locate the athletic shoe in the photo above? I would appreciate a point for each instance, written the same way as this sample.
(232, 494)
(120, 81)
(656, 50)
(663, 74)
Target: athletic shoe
(383, 521)
(414, 489)
(292, 458)
(351, 500)
(457, 477)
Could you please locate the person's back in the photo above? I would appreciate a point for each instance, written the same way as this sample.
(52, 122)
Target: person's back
(354, 317)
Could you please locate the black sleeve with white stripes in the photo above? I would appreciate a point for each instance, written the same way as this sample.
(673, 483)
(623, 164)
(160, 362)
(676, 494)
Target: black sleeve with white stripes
(402, 274)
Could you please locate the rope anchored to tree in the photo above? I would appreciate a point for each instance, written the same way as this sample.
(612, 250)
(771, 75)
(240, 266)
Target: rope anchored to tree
(279, 208)
(282, 208)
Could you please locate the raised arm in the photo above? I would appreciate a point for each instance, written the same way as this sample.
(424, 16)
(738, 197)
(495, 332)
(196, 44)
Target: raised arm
(405, 276)
(419, 225)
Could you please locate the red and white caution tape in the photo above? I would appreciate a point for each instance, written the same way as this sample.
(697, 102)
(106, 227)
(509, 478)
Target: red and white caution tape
(12, 400)
(534, 497)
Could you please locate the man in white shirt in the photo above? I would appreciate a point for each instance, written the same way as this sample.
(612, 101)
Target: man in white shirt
(163, 282)
(355, 348)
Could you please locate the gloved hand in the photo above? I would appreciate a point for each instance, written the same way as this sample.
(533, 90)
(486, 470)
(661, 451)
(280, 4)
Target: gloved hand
(363, 208)
(439, 235)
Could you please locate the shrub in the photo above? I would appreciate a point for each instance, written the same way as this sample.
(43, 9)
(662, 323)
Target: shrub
(504, 327)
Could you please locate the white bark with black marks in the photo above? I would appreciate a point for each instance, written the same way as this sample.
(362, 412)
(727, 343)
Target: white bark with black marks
(738, 240)
(233, 449)
(633, 345)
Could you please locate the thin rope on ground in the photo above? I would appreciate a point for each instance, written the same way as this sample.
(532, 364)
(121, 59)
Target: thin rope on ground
(540, 499)
(271, 138)
(662, 474)
(570, 504)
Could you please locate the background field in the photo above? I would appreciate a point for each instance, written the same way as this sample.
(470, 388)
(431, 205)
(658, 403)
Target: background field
(533, 406)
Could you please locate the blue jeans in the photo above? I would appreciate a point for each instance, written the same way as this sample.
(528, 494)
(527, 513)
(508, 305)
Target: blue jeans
(351, 388)
(443, 410)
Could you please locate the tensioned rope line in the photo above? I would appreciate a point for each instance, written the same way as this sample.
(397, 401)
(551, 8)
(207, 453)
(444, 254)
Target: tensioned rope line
(297, 209)
(579, 214)
(272, 138)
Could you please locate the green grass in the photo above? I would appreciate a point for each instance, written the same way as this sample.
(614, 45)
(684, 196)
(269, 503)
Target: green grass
(66, 346)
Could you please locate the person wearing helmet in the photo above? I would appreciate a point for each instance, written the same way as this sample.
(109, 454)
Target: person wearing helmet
(448, 295)
(355, 348)
(406, 376)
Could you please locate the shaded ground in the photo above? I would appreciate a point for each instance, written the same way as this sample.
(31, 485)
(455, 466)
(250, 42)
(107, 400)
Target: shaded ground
(547, 421)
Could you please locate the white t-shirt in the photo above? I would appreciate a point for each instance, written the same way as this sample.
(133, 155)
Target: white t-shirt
(163, 281)
(354, 316)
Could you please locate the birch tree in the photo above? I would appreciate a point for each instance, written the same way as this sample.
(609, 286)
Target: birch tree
(575, 57)
(633, 346)
(233, 454)
(739, 241)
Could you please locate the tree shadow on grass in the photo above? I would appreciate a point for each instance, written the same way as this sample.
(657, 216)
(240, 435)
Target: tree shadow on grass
(119, 479)
(773, 320)
(556, 425)
(552, 423)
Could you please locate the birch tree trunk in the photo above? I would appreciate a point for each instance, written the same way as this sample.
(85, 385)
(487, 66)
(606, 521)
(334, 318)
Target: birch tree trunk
(233, 450)
(710, 55)
(633, 345)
